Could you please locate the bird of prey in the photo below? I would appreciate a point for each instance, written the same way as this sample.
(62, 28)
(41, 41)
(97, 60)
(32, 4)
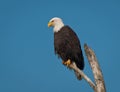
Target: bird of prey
(67, 45)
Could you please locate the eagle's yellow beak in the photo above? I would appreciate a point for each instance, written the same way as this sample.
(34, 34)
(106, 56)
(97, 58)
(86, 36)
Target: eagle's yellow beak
(50, 24)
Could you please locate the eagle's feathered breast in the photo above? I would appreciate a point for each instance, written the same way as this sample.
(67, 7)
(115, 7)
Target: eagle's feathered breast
(67, 46)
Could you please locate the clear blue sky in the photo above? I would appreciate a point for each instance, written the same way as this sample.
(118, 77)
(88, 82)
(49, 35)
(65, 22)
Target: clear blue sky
(27, 60)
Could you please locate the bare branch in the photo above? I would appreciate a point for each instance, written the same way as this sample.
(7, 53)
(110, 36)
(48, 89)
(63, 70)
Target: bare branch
(100, 85)
(73, 66)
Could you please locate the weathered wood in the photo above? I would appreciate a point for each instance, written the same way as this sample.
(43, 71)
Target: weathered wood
(99, 81)
(73, 66)
(99, 85)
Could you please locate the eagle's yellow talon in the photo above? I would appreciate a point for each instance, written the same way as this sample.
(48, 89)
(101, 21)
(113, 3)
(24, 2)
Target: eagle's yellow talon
(67, 63)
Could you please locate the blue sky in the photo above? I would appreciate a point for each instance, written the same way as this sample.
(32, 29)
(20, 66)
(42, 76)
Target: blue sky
(27, 60)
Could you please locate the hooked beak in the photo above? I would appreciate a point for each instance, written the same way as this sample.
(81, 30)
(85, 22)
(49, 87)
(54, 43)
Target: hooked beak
(50, 24)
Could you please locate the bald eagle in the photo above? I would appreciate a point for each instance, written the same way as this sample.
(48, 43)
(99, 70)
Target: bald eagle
(67, 45)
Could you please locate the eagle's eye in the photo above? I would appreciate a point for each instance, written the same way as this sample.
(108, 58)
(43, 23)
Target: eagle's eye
(52, 21)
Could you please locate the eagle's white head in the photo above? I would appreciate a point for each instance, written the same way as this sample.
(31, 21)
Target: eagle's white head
(57, 23)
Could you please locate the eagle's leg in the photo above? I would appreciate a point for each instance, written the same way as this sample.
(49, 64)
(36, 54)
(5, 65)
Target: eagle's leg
(67, 63)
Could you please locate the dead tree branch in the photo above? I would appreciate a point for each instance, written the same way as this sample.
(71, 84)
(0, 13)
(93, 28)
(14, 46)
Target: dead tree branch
(99, 81)
(99, 85)
(73, 66)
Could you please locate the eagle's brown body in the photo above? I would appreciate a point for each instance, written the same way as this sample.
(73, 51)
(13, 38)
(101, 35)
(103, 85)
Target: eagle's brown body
(67, 46)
